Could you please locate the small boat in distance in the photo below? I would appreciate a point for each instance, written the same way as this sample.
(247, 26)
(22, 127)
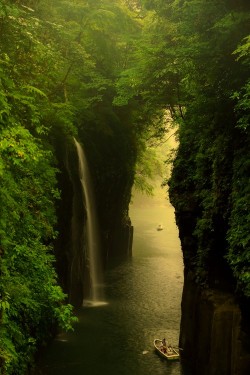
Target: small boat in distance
(159, 227)
(167, 352)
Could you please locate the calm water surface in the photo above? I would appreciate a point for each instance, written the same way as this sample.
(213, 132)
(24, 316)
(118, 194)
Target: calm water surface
(143, 302)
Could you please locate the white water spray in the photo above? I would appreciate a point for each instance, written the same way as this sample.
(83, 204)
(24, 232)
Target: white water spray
(93, 246)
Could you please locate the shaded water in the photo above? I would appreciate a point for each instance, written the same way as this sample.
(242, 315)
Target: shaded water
(143, 295)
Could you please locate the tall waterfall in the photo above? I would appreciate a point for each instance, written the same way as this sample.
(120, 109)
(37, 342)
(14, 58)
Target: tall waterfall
(93, 244)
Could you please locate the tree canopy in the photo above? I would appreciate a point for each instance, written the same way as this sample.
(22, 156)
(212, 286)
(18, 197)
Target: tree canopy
(108, 73)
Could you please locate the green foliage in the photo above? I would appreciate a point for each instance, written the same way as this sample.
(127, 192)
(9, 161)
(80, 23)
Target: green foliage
(147, 168)
(31, 301)
(242, 97)
(195, 61)
(238, 234)
(59, 63)
(107, 72)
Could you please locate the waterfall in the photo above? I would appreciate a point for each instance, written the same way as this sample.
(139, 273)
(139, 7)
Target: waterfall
(93, 243)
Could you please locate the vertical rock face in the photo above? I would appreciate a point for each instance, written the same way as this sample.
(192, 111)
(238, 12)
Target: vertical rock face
(115, 227)
(119, 241)
(214, 332)
(211, 333)
(71, 262)
(208, 191)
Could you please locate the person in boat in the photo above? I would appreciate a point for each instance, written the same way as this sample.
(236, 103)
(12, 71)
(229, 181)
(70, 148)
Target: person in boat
(164, 346)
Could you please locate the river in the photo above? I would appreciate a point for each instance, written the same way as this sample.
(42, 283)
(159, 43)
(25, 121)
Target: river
(143, 297)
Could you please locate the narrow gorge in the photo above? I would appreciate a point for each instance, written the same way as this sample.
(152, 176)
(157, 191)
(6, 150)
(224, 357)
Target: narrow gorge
(105, 84)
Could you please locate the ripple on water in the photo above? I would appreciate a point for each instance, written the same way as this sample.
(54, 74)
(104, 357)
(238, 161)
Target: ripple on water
(143, 297)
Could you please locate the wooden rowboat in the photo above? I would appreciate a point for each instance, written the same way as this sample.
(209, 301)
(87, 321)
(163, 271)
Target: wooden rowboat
(166, 352)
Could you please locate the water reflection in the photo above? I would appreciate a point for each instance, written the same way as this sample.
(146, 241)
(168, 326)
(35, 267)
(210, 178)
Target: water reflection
(143, 302)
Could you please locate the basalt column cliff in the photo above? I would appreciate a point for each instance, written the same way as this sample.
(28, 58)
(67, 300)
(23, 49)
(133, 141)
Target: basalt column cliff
(210, 193)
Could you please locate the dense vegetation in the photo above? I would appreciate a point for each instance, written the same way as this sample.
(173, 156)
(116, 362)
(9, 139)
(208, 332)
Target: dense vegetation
(193, 60)
(210, 176)
(59, 63)
(106, 72)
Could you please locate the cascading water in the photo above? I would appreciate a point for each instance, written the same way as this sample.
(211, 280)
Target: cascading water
(93, 245)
